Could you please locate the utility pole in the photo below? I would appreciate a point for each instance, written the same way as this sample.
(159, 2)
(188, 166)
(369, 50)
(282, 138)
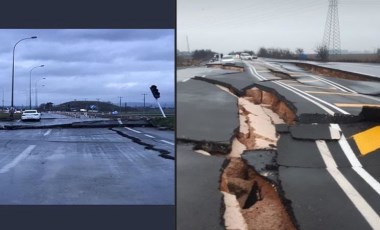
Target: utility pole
(188, 46)
(3, 100)
(144, 103)
(120, 103)
(331, 37)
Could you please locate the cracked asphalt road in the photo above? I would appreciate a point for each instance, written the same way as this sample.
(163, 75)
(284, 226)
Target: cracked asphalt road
(315, 171)
(85, 166)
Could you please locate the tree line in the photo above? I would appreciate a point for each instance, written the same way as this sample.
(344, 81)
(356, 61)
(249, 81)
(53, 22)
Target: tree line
(321, 51)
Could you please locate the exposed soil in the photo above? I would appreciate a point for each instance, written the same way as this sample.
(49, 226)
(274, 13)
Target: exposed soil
(227, 67)
(259, 96)
(248, 194)
(261, 205)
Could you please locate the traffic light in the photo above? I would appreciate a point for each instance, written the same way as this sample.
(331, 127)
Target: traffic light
(155, 92)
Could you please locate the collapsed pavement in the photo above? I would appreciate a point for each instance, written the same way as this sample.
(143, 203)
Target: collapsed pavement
(255, 172)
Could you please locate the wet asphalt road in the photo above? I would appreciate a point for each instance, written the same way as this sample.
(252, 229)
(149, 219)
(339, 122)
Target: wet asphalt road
(50, 119)
(85, 166)
(371, 69)
(205, 112)
(324, 192)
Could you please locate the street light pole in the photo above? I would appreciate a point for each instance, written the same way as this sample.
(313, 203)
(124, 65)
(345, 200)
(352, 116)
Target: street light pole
(13, 67)
(3, 100)
(30, 85)
(36, 88)
(37, 98)
(120, 103)
(144, 103)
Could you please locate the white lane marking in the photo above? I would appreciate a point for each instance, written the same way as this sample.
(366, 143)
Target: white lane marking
(332, 83)
(329, 83)
(257, 74)
(329, 111)
(307, 95)
(335, 133)
(149, 135)
(133, 130)
(47, 132)
(288, 88)
(167, 142)
(370, 97)
(355, 163)
(347, 148)
(186, 80)
(250, 68)
(360, 203)
(320, 100)
(119, 120)
(15, 161)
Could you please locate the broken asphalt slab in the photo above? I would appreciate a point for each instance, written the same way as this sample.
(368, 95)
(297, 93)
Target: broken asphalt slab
(205, 113)
(100, 123)
(314, 132)
(306, 112)
(199, 200)
(236, 82)
(162, 149)
(264, 163)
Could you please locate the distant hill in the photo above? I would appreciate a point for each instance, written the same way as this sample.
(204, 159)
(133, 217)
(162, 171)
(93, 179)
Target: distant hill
(105, 106)
(77, 105)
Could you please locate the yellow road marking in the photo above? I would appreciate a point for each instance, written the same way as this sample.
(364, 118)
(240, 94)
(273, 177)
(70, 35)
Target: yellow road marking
(334, 93)
(356, 105)
(368, 141)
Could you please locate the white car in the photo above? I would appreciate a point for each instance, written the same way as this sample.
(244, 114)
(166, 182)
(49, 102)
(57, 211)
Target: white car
(245, 56)
(228, 59)
(30, 115)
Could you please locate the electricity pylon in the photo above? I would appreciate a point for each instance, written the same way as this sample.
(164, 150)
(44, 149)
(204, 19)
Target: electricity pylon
(331, 37)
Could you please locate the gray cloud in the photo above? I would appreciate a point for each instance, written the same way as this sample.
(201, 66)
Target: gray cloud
(225, 26)
(89, 64)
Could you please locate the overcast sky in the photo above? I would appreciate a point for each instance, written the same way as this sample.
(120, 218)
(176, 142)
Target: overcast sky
(88, 64)
(225, 26)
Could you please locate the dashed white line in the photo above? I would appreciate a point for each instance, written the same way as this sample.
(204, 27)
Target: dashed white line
(167, 142)
(15, 161)
(360, 203)
(47, 132)
(149, 135)
(132, 130)
(186, 80)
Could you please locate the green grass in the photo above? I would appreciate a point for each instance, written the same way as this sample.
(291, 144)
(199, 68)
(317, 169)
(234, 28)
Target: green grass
(168, 122)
